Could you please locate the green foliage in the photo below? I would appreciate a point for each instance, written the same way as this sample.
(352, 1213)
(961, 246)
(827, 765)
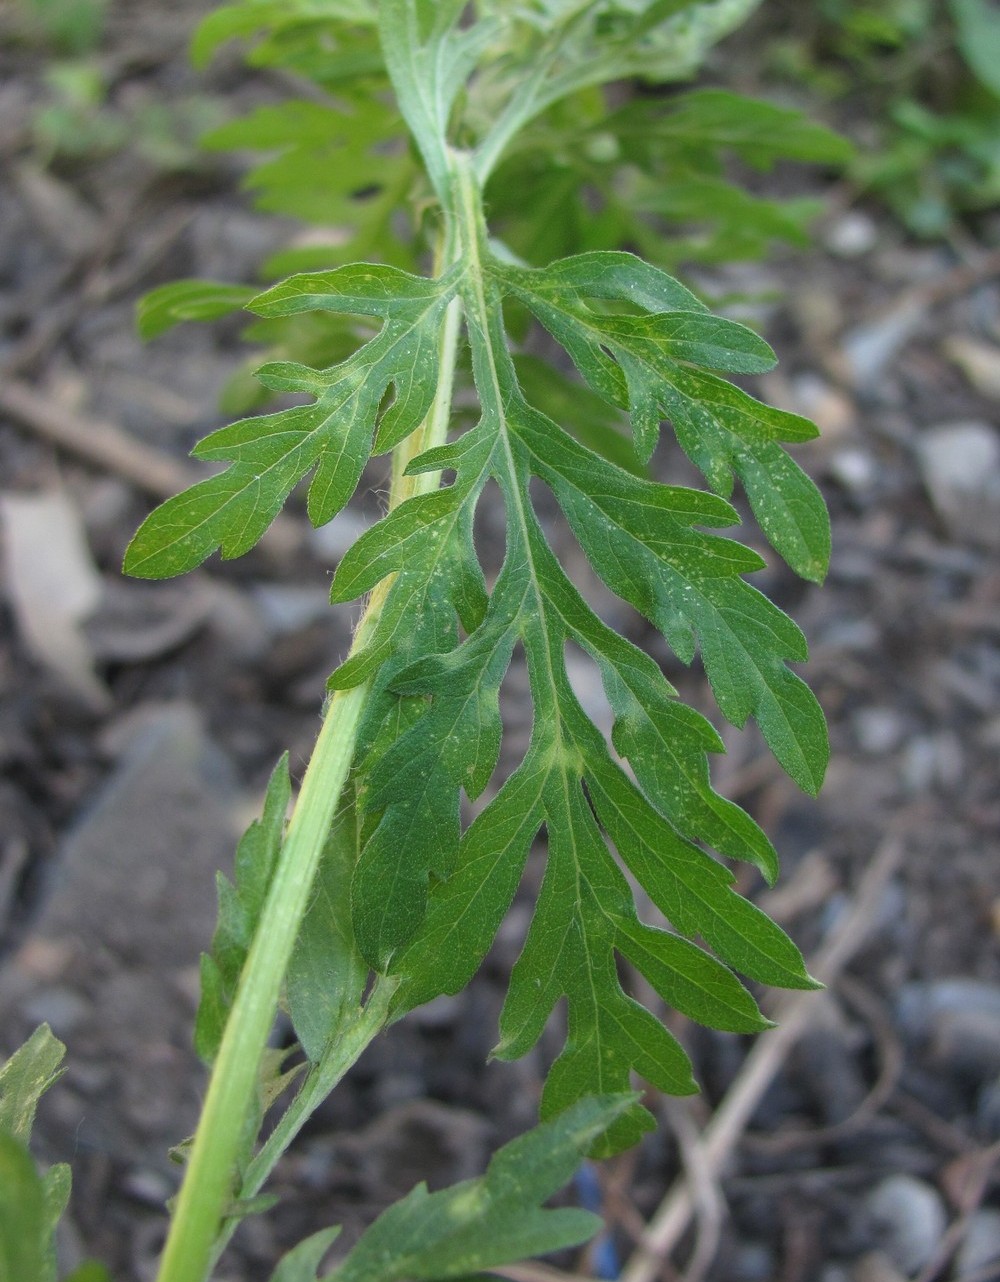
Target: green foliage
(652, 175)
(334, 436)
(327, 975)
(338, 166)
(77, 120)
(239, 913)
(25, 1078)
(31, 1204)
(927, 78)
(440, 647)
(68, 26)
(488, 1222)
(375, 896)
(188, 300)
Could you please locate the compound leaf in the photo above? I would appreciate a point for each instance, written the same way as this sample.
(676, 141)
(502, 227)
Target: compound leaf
(428, 899)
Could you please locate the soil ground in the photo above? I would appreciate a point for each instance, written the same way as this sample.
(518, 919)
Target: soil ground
(139, 725)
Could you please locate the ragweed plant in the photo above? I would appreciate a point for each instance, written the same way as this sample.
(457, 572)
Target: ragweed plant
(374, 897)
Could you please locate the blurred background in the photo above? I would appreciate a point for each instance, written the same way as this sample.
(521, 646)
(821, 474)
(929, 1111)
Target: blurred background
(139, 722)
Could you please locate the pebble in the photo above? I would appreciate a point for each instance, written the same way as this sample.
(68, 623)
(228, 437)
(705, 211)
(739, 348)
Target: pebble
(958, 1023)
(857, 635)
(851, 235)
(960, 464)
(869, 348)
(878, 729)
(444, 1011)
(331, 541)
(393, 1089)
(908, 1221)
(980, 1245)
(855, 469)
(829, 1072)
(128, 904)
(932, 759)
(59, 1007)
(890, 912)
(832, 412)
(148, 1186)
(289, 607)
(755, 1262)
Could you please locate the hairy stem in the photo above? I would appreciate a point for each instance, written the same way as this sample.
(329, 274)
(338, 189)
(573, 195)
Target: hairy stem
(208, 1182)
(192, 1243)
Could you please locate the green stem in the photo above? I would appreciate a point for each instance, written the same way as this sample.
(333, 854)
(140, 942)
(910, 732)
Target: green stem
(192, 1242)
(343, 1051)
(207, 1184)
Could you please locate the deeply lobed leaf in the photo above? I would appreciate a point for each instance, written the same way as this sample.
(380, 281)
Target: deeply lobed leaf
(332, 438)
(427, 898)
(640, 537)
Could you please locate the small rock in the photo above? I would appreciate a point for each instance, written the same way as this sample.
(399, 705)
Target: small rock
(932, 759)
(869, 348)
(58, 210)
(855, 469)
(878, 730)
(980, 1245)
(129, 904)
(420, 1139)
(53, 585)
(139, 622)
(444, 1011)
(889, 914)
(755, 1262)
(960, 463)
(393, 1089)
(59, 1007)
(925, 1011)
(331, 541)
(826, 1067)
(908, 1220)
(832, 412)
(857, 635)
(289, 607)
(967, 1043)
(147, 1186)
(852, 235)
